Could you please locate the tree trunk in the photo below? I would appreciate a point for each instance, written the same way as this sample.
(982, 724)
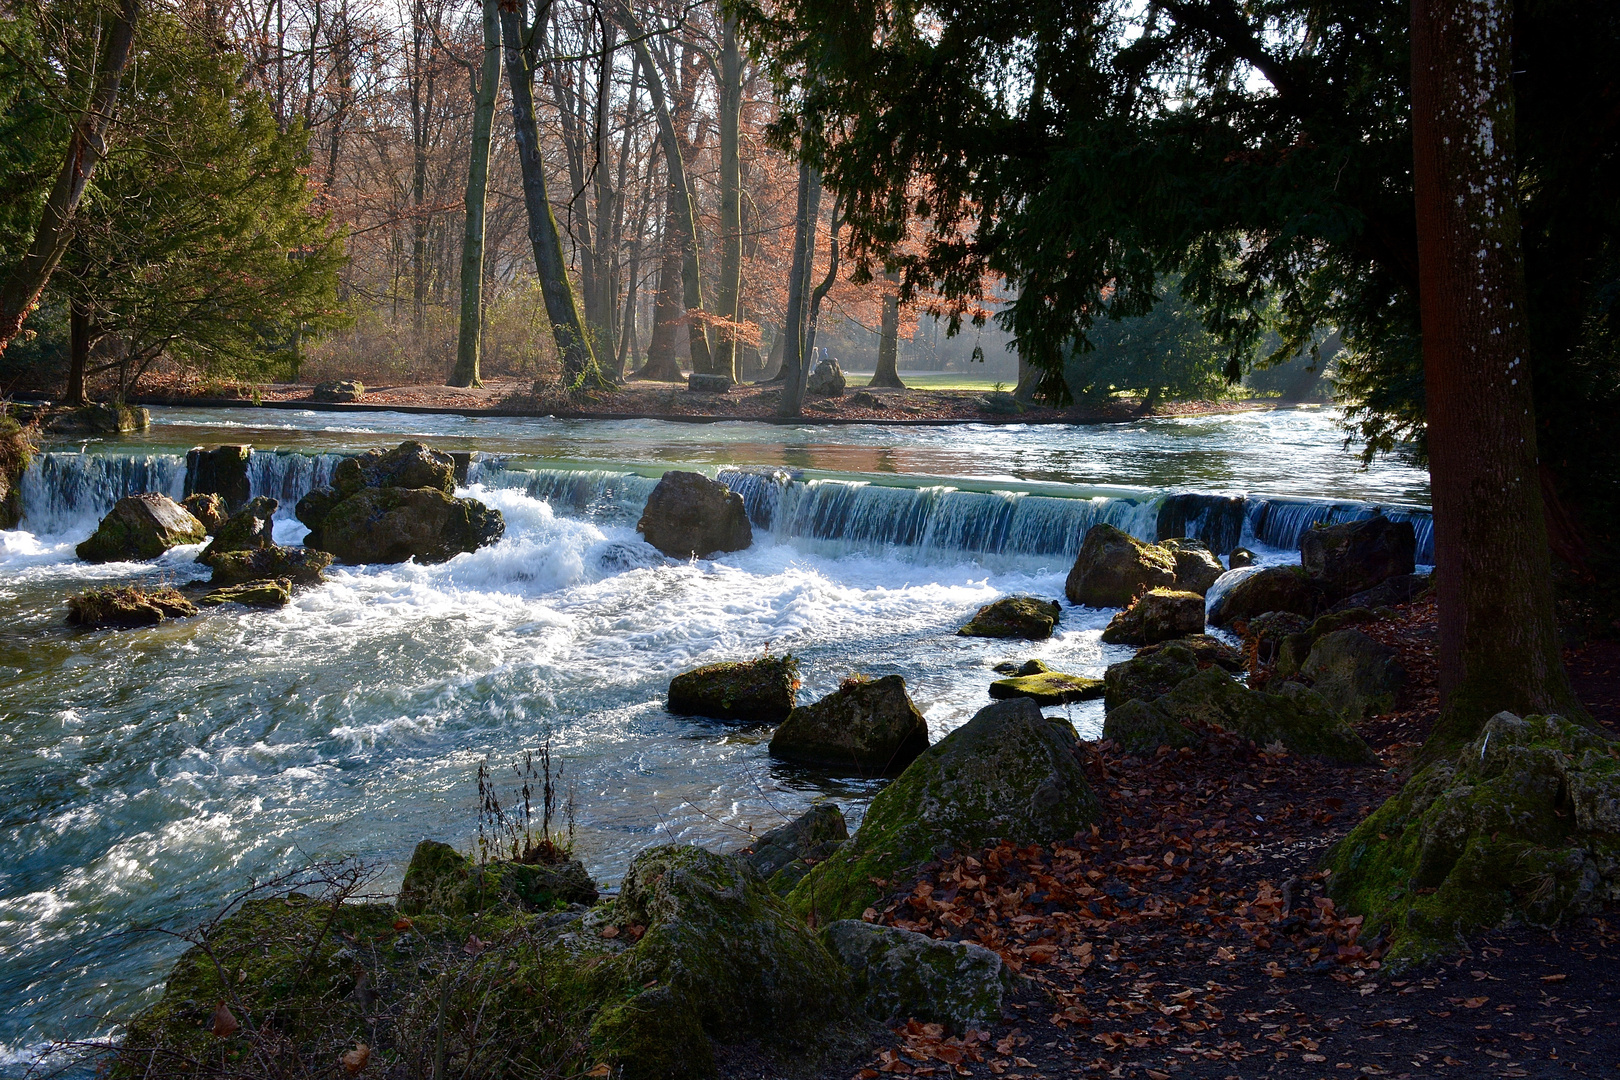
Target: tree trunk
(78, 351)
(730, 288)
(1498, 645)
(567, 327)
(793, 372)
(682, 201)
(669, 314)
(831, 276)
(86, 147)
(888, 359)
(472, 243)
(605, 250)
(1029, 378)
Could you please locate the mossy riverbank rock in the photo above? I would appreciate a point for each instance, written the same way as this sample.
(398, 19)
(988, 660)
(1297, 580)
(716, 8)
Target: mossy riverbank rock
(1047, 688)
(1356, 675)
(722, 958)
(141, 527)
(339, 392)
(1009, 773)
(688, 515)
(301, 566)
(786, 853)
(867, 727)
(1273, 588)
(756, 691)
(443, 881)
(1113, 567)
(222, 471)
(1197, 567)
(249, 529)
(1157, 615)
(1354, 556)
(1027, 617)
(1523, 825)
(1269, 634)
(1205, 648)
(126, 607)
(1136, 727)
(97, 418)
(902, 975)
(259, 594)
(1296, 717)
(1148, 675)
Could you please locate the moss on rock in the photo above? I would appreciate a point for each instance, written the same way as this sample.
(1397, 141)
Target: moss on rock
(1113, 567)
(1298, 719)
(125, 607)
(785, 854)
(1027, 617)
(757, 691)
(1136, 727)
(1147, 675)
(17, 449)
(1157, 615)
(441, 880)
(902, 975)
(300, 566)
(1009, 773)
(141, 527)
(1523, 825)
(867, 727)
(1048, 688)
(1206, 650)
(260, 594)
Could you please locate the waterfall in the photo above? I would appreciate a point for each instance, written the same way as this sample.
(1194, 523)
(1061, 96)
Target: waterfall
(1282, 522)
(69, 493)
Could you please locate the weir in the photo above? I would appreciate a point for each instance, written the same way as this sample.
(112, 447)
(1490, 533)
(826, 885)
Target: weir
(929, 521)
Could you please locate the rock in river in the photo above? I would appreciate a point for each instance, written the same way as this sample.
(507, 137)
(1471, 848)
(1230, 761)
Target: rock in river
(1355, 556)
(1254, 592)
(689, 515)
(141, 527)
(301, 566)
(393, 524)
(757, 691)
(1157, 615)
(786, 853)
(1113, 568)
(1027, 617)
(248, 529)
(1197, 568)
(1047, 687)
(126, 607)
(867, 727)
(259, 594)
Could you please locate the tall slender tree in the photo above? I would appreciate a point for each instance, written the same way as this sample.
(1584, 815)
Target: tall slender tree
(486, 89)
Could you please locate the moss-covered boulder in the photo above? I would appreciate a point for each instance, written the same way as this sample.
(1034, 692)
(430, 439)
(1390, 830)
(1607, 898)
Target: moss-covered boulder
(721, 958)
(1147, 675)
(394, 524)
(249, 529)
(1274, 588)
(408, 465)
(786, 853)
(1297, 718)
(1354, 556)
(125, 607)
(1522, 826)
(1197, 567)
(443, 881)
(222, 471)
(17, 449)
(757, 691)
(1028, 667)
(1113, 567)
(141, 527)
(1356, 675)
(339, 392)
(902, 975)
(1009, 773)
(1268, 634)
(867, 727)
(1157, 615)
(207, 508)
(1205, 648)
(301, 566)
(1137, 727)
(690, 515)
(258, 594)
(1295, 646)
(97, 418)
(1027, 617)
(1047, 688)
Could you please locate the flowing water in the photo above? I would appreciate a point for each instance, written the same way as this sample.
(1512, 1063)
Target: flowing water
(147, 775)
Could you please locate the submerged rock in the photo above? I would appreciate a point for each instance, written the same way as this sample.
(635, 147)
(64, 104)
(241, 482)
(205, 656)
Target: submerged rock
(141, 527)
(300, 566)
(1047, 687)
(393, 524)
(1009, 773)
(1275, 588)
(259, 594)
(1027, 617)
(1113, 568)
(902, 975)
(249, 529)
(867, 727)
(785, 854)
(757, 691)
(1357, 555)
(222, 471)
(443, 881)
(1147, 675)
(1356, 675)
(1522, 826)
(1157, 615)
(207, 508)
(126, 607)
(1239, 557)
(1197, 568)
(690, 515)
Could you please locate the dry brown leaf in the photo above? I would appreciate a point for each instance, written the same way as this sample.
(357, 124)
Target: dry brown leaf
(223, 1024)
(355, 1060)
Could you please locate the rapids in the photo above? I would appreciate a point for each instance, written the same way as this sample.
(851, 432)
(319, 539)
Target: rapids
(147, 775)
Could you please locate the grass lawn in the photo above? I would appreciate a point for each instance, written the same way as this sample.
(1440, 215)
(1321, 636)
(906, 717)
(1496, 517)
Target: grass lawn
(935, 380)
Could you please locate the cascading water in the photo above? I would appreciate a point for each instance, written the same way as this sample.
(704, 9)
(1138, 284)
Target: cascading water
(70, 492)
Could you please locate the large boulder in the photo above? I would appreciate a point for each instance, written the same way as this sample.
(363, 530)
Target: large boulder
(902, 975)
(100, 418)
(443, 881)
(300, 566)
(1268, 634)
(1356, 675)
(721, 959)
(1354, 556)
(868, 727)
(1287, 644)
(249, 529)
(1027, 617)
(141, 527)
(408, 465)
(1523, 825)
(393, 524)
(757, 691)
(1047, 687)
(222, 471)
(827, 380)
(1009, 774)
(126, 607)
(1197, 567)
(699, 383)
(1295, 717)
(1157, 615)
(689, 515)
(1114, 567)
(1148, 675)
(786, 853)
(1136, 727)
(339, 391)
(1251, 592)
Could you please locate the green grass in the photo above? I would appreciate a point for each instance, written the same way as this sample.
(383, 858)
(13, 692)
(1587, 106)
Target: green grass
(935, 380)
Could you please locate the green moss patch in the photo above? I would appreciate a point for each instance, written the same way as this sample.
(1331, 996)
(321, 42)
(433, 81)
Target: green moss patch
(1048, 688)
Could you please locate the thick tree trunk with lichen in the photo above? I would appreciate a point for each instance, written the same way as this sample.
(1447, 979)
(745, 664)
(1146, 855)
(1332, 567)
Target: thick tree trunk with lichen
(1499, 644)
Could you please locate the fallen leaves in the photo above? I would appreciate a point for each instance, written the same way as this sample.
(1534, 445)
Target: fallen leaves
(353, 1061)
(223, 1023)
